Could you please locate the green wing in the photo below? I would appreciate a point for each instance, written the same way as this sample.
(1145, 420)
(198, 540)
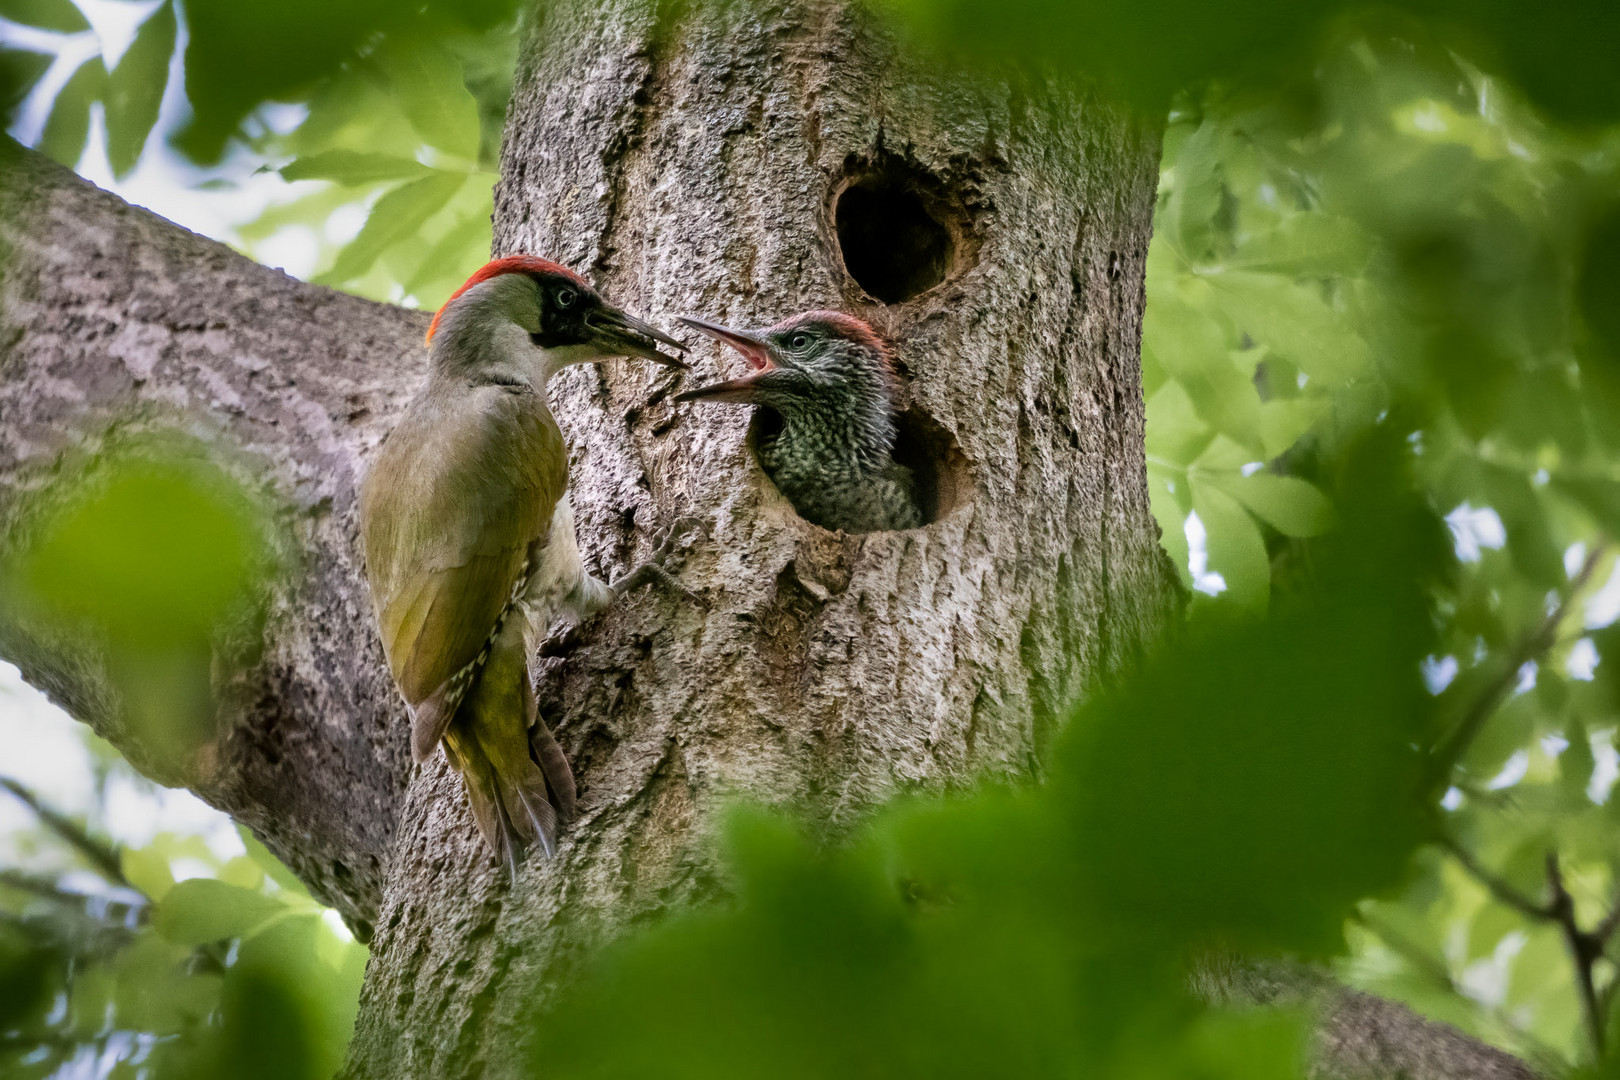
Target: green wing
(459, 494)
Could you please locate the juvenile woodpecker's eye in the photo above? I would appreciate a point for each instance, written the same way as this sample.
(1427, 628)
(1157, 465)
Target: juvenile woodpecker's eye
(799, 342)
(566, 297)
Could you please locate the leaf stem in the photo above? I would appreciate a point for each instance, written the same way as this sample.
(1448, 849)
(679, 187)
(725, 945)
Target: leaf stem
(102, 855)
(1451, 748)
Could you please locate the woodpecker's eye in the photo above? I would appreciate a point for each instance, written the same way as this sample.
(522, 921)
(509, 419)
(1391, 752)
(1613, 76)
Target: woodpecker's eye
(566, 297)
(799, 342)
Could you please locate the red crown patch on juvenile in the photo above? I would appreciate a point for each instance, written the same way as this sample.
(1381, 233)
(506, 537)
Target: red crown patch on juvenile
(510, 264)
(846, 326)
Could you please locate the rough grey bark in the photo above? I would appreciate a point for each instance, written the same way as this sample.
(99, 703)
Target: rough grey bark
(1362, 1037)
(112, 317)
(689, 163)
(1358, 1036)
(693, 166)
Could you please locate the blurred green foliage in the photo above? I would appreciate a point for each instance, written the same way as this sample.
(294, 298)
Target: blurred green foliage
(414, 136)
(1246, 790)
(111, 967)
(1384, 288)
(1150, 50)
(397, 119)
(1403, 235)
(162, 556)
(163, 959)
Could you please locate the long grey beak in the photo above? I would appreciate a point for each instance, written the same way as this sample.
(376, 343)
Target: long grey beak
(753, 348)
(751, 345)
(616, 333)
(741, 390)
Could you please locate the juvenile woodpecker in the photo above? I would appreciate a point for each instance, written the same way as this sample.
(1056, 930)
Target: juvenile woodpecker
(469, 537)
(832, 380)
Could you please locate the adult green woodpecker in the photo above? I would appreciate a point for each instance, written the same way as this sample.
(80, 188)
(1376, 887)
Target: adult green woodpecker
(469, 537)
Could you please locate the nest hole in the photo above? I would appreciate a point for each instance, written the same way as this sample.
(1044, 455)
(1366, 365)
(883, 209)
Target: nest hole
(933, 457)
(920, 444)
(894, 231)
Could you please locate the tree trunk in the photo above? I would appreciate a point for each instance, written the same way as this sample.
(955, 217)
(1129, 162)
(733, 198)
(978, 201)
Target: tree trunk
(738, 161)
(696, 165)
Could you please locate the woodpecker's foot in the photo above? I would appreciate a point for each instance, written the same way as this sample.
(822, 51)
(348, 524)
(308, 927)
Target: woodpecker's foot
(679, 527)
(649, 574)
(652, 571)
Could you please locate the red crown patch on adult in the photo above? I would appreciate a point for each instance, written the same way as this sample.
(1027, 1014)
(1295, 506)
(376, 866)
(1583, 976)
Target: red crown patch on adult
(510, 264)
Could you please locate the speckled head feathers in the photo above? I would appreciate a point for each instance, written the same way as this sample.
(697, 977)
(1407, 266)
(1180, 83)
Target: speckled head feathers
(510, 264)
(845, 326)
(854, 330)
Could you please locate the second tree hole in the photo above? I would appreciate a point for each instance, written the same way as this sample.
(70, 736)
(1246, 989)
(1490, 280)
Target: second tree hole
(920, 444)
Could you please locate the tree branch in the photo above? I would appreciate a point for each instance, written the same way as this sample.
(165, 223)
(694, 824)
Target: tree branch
(1358, 1036)
(1585, 947)
(1584, 950)
(1499, 888)
(1451, 748)
(114, 320)
(101, 855)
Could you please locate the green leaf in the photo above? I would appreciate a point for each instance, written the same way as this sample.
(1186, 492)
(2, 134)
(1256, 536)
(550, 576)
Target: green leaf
(90, 996)
(427, 82)
(1223, 455)
(19, 71)
(1540, 966)
(1598, 496)
(200, 910)
(148, 870)
(1182, 331)
(449, 262)
(1284, 422)
(397, 215)
(1306, 243)
(1487, 929)
(272, 866)
(158, 546)
(153, 991)
(1286, 503)
(355, 113)
(243, 872)
(58, 15)
(67, 130)
(1236, 550)
(1507, 732)
(1195, 194)
(135, 89)
(1577, 763)
(1296, 321)
(1529, 537)
(1175, 431)
(352, 167)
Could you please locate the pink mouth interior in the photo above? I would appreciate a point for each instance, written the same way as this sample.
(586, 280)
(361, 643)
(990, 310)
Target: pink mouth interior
(757, 357)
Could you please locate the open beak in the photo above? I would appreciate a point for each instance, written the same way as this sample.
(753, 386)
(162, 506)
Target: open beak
(753, 349)
(618, 334)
